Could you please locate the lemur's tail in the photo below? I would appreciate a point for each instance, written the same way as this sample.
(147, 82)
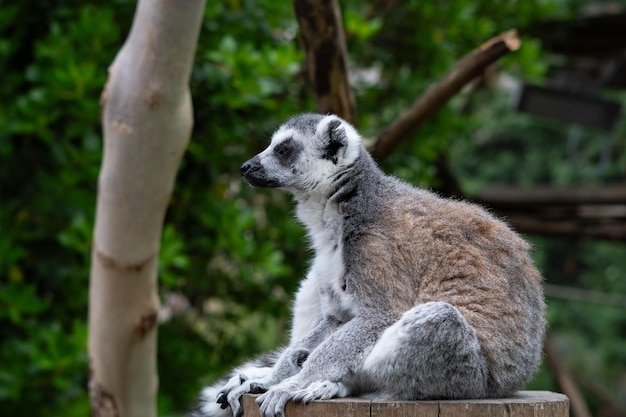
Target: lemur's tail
(207, 406)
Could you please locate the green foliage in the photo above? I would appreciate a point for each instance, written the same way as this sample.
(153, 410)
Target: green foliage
(233, 253)
(54, 58)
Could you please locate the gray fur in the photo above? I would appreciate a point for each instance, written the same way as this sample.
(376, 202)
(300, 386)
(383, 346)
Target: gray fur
(409, 296)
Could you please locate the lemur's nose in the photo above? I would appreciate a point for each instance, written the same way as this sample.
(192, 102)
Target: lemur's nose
(250, 165)
(245, 167)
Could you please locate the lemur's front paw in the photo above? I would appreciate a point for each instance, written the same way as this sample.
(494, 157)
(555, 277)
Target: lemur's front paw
(233, 383)
(259, 380)
(272, 403)
(239, 385)
(232, 398)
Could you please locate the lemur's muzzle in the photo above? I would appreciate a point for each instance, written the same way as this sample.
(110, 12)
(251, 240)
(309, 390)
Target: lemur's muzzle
(256, 175)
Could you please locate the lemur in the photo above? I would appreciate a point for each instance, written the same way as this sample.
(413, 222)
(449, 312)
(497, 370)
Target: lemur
(409, 296)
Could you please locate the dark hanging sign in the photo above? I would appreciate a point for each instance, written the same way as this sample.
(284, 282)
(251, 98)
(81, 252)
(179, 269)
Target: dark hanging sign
(568, 106)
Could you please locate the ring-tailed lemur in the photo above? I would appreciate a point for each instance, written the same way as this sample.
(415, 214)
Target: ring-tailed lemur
(409, 296)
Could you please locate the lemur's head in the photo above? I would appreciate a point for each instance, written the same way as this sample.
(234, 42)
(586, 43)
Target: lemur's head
(305, 154)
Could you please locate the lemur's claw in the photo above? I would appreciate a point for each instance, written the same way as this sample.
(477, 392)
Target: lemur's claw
(256, 388)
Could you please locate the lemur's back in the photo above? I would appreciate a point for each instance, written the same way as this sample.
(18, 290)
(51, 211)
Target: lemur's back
(444, 250)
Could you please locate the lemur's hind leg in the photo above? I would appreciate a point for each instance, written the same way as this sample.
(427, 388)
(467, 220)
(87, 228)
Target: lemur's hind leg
(431, 352)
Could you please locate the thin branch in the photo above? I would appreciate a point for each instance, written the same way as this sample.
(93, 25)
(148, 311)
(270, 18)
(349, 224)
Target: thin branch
(610, 399)
(439, 93)
(585, 296)
(324, 39)
(563, 376)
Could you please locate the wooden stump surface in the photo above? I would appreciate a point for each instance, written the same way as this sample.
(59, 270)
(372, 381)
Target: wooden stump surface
(522, 404)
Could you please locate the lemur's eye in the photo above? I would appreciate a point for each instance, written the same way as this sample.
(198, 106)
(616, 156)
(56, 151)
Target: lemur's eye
(282, 149)
(286, 152)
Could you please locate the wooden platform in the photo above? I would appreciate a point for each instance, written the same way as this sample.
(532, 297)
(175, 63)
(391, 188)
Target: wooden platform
(522, 404)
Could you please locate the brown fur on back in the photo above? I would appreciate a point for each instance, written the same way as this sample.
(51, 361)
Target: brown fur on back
(432, 249)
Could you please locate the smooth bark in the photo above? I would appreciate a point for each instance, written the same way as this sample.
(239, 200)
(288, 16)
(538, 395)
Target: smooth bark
(147, 121)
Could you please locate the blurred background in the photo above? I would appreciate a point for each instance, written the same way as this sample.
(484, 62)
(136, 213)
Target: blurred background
(540, 138)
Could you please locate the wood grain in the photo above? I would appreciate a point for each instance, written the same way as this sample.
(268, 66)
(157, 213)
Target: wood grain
(522, 404)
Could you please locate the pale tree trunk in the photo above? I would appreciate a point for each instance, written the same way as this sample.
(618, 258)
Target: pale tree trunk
(147, 120)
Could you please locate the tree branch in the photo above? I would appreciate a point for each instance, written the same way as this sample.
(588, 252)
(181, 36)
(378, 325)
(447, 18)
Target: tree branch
(439, 93)
(324, 39)
(565, 381)
(581, 295)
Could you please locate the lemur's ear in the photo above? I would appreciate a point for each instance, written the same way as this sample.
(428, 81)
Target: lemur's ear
(335, 140)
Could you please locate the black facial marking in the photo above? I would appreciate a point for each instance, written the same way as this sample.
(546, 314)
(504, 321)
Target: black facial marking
(330, 151)
(287, 151)
(335, 141)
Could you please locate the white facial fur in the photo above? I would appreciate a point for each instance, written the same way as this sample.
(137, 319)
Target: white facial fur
(308, 171)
